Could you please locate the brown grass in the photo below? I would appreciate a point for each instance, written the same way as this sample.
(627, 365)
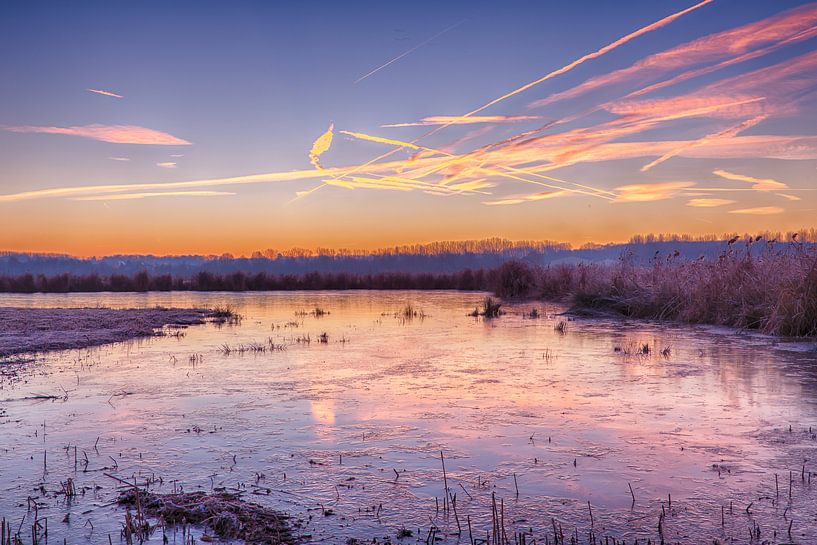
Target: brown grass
(751, 287)
(228, 516)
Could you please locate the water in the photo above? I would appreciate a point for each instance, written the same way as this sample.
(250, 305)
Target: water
(346, 436)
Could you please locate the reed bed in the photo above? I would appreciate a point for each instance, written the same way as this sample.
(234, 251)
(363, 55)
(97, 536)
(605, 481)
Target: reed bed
(751, 285)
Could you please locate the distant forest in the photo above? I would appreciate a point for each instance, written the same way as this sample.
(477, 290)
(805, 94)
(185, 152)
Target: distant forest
(463, 265)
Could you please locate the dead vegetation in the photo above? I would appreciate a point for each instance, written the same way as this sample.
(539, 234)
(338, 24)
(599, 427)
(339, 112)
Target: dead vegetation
(490, 309)
(226, 515)
(253, 347)
(224, 315)
(28, 330)
(751, 285)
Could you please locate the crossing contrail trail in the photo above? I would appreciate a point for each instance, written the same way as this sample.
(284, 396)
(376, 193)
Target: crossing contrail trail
(595, 54)
(412, 50)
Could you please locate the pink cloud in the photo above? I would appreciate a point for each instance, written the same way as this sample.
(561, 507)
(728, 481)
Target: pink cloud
(106, 93)
(709, 203)
(115, 134)
(650, 192)
(759, 211)
(788, 27)
(464, 120)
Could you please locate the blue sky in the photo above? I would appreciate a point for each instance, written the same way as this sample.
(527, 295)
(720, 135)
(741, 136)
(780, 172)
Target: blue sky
(251, 85)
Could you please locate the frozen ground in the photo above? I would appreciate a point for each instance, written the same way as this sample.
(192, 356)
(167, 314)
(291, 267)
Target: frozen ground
(24, 330)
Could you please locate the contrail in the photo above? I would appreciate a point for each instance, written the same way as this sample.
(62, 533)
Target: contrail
(595, 54)
(643, 30)
(508, 170)
(731, 131)
(459, 120)
(106, 93)
(147, 195)
(412, 50)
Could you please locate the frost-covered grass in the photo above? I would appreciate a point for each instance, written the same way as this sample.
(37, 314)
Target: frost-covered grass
(25, 330)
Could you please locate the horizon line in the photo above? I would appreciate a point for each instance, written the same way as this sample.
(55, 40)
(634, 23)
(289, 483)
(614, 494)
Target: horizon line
(805, 234)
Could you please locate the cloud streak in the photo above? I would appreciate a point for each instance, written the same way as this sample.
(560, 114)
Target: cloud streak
(449, 120)
(759, 211)
(532, 197)
(709, 203)
(105, 93)
(727, 133)
(594, 55)
(650, 192)
(150, 195)
(728, 47)
(625, 128)
(114, 134)
(320, 146)
(758, 184)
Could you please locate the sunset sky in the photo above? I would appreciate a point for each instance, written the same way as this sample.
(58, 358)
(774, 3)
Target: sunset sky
(204, 127)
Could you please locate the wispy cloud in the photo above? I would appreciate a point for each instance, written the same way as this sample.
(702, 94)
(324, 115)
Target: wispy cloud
(115, 134)
(519, 199)
(595, 54)
(759, 211)
(727, 133)
(709, 203)
(150, 195)
(627, 129)
(650, 192)
(320, 146)
(760, 184)
(166, 164)
(789, 27)
(270, 177)
(464, 120)
(106, 93)
(387, 141)
(789, 197)
(119, 158)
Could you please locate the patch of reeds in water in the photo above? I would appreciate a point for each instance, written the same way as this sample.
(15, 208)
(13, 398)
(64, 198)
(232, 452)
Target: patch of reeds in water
(490, 309)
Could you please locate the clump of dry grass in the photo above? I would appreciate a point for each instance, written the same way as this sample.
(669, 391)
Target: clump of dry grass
(224, 314)
(227, 515)
(490, 309)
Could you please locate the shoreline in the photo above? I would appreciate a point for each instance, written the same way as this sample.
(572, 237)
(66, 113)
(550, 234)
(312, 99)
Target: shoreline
(33, 330)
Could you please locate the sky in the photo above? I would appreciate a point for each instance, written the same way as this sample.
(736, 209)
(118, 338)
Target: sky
(213, 127)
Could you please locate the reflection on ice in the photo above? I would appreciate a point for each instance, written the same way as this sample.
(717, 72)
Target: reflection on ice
(586, 414)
